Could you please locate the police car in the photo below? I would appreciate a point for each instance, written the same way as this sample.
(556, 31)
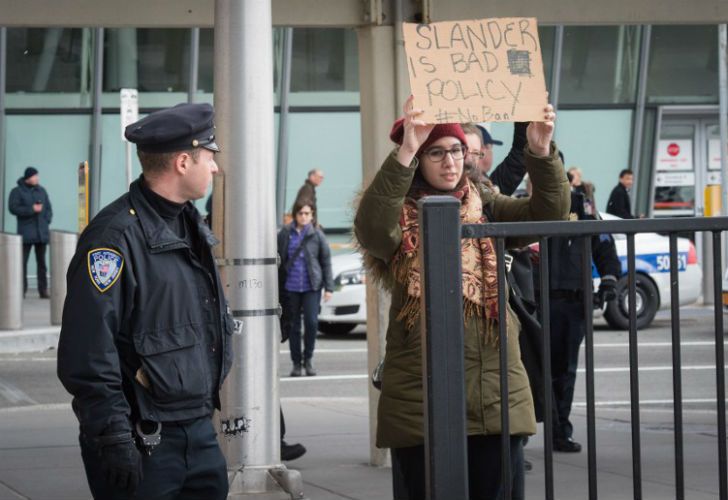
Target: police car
(347, 307)
(652, 266)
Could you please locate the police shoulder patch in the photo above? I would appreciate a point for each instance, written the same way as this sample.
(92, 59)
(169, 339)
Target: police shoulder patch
(104, 267)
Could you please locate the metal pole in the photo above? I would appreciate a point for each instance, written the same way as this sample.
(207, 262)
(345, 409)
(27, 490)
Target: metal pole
(723, 119)
(639, 115)
(720, 368)
(3, 73)
(548, 457)
(676, 371)
(95, 143)
(556, 66)
(505, 407)
(127, 159)
(588, 304)
(249, 419)
(194, 64)
(283, 121)
(634, 385)
(443, 371)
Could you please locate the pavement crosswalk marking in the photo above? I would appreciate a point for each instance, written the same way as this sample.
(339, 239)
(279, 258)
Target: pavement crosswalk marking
(14, 395)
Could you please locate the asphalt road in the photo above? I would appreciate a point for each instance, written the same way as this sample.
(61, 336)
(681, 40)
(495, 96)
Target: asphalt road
(28, 379)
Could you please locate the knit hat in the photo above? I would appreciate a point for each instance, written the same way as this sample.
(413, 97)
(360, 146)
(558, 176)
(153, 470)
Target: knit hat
(441, 130)
(29, 172)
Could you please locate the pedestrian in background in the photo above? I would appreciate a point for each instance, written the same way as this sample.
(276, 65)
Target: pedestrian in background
(586, 188)
(509, 173)
(619, 203)
(146, 338)
(566, 307)
(29, 202)
(305, 270)
(429, 160)
(307, 192)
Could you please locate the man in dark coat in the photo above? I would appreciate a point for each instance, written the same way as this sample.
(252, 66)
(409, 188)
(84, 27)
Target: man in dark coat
(510, 172)
(567, 313)
(308, 190)
(619, 203)
(146, 339)
(29, 202)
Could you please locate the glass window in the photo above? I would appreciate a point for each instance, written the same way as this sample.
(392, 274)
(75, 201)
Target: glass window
(546, 38)
(151, 60)
(324, 60)
(206, 64)
(683, 65)
(599, 64)
(45, 59)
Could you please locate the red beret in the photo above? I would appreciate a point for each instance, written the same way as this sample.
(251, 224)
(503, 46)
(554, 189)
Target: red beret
(441, 130)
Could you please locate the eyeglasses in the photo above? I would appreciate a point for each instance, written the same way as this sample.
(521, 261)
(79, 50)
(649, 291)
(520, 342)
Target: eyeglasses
(477, 154)
(438, 154)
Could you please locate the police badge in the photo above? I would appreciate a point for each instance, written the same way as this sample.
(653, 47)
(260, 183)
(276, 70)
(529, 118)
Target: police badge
(104, 267)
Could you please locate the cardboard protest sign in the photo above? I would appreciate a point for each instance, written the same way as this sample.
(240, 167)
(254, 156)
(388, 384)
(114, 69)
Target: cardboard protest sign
(487, 70)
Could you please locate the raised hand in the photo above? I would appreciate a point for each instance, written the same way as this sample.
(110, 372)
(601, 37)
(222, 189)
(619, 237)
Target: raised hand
(539, 134)
(415, 134)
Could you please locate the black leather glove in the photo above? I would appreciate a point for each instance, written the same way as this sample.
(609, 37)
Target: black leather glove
(607, 291)
(120, 460)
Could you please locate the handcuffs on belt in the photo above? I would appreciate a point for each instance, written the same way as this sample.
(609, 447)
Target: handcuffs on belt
(148, 441)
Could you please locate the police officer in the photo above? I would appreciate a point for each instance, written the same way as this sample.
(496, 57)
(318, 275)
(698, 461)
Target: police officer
(567, 313)
(146, 337)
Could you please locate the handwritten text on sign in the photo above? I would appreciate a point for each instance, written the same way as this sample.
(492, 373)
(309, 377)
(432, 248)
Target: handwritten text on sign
(476, 71)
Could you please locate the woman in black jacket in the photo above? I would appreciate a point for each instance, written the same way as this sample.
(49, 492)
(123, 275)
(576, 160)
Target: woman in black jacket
(305, 269)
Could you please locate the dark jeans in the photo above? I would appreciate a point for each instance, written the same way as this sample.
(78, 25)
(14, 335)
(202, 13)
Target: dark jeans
(187, 465)
(40, 251)
(308, 303)
(567, 333)
(484, 469)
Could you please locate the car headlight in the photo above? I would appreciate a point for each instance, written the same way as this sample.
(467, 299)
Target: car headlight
(353, 277)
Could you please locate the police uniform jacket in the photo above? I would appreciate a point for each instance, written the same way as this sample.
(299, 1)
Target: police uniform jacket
(565, 254)
(146, 331)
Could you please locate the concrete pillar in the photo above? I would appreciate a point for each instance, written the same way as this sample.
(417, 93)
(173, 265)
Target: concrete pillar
(377, 84)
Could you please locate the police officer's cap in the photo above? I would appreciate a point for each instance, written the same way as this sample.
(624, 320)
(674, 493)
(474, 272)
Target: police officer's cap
(185, 126)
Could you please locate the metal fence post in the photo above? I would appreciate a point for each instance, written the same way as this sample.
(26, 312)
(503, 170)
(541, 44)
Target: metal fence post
(446, 465)
(63, 246)
(11, 284)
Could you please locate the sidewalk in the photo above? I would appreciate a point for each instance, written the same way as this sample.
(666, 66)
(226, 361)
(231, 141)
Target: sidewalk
(39, 456)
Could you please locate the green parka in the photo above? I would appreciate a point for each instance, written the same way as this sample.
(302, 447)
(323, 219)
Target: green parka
(376, 226)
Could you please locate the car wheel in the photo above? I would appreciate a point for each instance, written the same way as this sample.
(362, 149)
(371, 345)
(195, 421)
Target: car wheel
(648, 301)
(336, 328)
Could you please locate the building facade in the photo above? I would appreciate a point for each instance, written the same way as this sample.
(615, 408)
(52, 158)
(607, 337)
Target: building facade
(607, 76)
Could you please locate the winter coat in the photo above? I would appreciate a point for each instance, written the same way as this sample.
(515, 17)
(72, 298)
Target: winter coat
(33, 227)
(619, 203)
(146, 328)
(376, 226)
(316, 254)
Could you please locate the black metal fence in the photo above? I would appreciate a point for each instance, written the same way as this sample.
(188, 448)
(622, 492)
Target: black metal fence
(443, 371)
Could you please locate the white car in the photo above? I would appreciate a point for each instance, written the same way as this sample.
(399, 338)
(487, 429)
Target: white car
(652, 266)
(347, 306)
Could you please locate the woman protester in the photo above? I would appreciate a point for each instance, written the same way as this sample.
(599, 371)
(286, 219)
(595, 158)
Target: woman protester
(429, 161)
(304, 270)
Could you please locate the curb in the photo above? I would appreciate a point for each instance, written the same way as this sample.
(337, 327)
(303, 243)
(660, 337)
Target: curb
(32, 340)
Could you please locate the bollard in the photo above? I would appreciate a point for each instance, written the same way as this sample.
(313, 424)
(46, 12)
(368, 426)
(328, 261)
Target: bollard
(63, 246)
(11, 281)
